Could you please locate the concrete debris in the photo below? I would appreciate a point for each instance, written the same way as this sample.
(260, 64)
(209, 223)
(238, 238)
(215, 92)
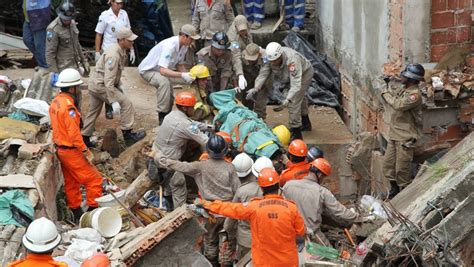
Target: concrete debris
(430, 221)
(29, 151)
(10, 128)
(17, 181)
(140, 245)
(10, 243)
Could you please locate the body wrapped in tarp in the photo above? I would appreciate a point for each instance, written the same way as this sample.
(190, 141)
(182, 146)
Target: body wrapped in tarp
(249, 133)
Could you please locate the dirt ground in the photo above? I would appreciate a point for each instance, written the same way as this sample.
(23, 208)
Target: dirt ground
(328, 128)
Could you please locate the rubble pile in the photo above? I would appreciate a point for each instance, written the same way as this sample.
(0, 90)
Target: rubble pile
(429, 222)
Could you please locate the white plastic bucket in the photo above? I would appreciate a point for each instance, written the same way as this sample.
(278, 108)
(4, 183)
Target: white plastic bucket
(107, 221)
(109, 201)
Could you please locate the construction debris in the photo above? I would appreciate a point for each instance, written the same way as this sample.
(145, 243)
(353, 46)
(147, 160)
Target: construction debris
(430, 221)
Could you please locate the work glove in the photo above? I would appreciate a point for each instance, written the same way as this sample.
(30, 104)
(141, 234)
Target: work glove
(88, 155)
(187, 77)
(116, 107)
(281, 107)
(206, 127)
(242, 82)
(97, 56)
(132, 55)
(238, 90)
(82, 71)
(251, 93)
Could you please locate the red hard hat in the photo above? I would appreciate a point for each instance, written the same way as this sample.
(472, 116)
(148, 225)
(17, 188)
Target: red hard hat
(97, 260)
(322, 165)
(268, 177)
(186, 99)
(298, 148)
(225, 135)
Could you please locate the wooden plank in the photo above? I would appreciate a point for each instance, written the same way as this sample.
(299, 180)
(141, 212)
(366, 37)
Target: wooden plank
(17, 181)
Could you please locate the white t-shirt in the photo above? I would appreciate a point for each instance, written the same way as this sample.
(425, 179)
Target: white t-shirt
(109, 24)
(166, 54)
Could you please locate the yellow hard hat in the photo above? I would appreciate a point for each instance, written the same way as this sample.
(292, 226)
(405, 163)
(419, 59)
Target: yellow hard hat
(283, 134)
(199, 72)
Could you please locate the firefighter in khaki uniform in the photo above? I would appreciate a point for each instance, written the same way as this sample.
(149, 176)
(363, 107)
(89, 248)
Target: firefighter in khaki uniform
(63, 49)
(253, 61)
(313, 200)
(405, 128)
(172, 141)
(105, 87)
(239, 38)
(211, 16)
(275, 223)
(294, 72)
(75, 158)
(216, 179)
(221, 63)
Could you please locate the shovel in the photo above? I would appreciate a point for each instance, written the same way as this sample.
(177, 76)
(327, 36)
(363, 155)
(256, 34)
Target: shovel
(282, 16)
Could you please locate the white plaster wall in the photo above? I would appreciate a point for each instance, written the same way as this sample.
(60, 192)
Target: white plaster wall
(417, 24)
(355, 33)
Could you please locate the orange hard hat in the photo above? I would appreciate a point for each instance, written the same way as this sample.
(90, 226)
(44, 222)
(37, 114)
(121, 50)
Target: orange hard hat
(322, 165)
(298, 148)
(225, 135)
(186, 99)
(268, 177)
(97, 260)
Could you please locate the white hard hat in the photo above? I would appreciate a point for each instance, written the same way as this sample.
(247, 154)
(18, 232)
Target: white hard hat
(260, 163)
(273, 51)
(41, 236)
(243, 164)
(69, 77)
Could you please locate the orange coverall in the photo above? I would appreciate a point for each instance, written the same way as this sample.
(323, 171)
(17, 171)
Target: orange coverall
(274, 224)
(37, 260)
(76, 169)
(294, 171)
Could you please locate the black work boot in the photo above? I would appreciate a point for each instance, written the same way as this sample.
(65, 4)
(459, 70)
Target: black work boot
(296, 133)
(131, 138)
(88, 142)
(161, 117)
(109, 112)
(306, 123)
(394, 189)
(77, 212)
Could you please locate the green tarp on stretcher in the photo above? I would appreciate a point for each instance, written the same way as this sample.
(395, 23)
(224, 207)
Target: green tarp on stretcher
(249, 133)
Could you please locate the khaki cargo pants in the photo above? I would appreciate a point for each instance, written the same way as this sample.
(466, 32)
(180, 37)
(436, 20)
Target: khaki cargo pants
(164, 90)
(397, 163)
(298, 106)
(96, 101)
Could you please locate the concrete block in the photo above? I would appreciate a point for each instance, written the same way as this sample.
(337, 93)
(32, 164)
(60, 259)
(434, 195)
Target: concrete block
(29, 151)
(17, 181)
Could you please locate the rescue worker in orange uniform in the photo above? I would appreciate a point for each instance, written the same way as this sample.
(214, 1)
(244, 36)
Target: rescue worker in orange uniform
(75, 157)
(275, 223)
(297, 167)
(40, 239)
(228, 157)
